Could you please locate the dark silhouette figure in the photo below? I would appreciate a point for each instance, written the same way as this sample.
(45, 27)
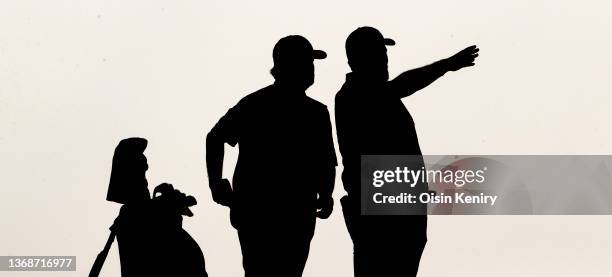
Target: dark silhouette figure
(285, 173)
(151, 239)
(371, 119)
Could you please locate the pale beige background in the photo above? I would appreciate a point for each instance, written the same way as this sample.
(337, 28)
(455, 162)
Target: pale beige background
(78, 76)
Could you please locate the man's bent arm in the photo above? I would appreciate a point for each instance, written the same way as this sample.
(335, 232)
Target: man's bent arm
(327, 183)
(220, 188)
(325, 201)
(214, 157)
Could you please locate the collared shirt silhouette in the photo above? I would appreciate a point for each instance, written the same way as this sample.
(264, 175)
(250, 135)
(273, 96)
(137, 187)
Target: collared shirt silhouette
(286, 164)
(371, 119)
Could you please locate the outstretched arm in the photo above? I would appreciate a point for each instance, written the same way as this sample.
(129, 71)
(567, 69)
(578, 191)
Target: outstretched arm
(414, 80)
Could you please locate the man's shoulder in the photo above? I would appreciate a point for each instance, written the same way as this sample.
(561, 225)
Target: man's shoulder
(345, 94)
(256, 95)
(341, 94)
(315, 105)
(254, 98)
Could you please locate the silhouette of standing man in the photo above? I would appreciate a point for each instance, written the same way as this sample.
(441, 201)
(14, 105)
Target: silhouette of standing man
(371, 119)
(285, 173)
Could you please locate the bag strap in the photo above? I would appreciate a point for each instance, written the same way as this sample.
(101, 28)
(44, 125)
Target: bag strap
(97, 265)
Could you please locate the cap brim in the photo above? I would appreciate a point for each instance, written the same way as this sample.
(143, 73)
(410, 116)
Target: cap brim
(319, 54)
(389, 42)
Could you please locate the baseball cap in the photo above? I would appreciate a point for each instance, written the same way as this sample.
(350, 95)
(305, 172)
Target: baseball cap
(364, 38)
(295, 47)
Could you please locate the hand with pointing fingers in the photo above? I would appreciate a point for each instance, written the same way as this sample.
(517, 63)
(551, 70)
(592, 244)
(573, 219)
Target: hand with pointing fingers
(463, 58)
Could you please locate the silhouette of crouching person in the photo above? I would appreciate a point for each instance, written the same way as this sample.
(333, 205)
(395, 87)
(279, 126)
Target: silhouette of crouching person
(149, 230)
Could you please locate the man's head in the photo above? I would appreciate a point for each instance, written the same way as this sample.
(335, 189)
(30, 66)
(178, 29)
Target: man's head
(366, 50)
(293, 61)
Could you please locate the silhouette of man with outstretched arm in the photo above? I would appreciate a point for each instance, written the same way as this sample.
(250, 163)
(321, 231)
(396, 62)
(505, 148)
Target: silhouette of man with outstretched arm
(285, 172)
(371, 119)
